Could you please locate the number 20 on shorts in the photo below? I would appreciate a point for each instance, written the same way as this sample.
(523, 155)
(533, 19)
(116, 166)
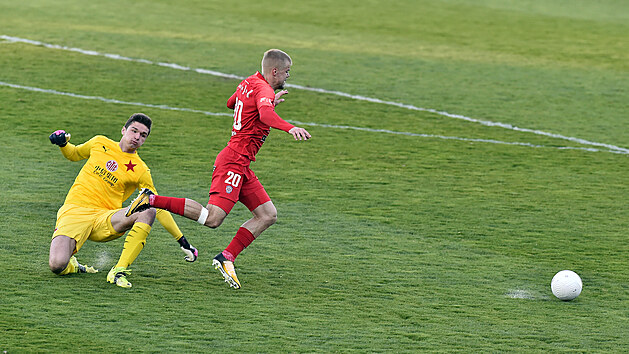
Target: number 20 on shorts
(233, 179)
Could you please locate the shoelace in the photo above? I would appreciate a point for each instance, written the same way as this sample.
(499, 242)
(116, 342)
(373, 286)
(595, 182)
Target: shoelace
(123, 273)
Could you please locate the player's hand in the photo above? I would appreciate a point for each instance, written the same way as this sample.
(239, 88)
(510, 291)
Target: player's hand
(278, 98)
(60, 138)
(191, 253)
(189, 250)
(299, 133)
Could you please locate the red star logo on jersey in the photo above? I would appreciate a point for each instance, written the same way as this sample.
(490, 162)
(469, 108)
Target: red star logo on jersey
(130, 166)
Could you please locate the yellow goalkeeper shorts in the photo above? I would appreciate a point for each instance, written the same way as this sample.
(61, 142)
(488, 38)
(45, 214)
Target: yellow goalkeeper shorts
(83, 224)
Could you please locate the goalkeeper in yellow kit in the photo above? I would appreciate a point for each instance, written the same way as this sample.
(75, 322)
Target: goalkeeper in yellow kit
(93, 207)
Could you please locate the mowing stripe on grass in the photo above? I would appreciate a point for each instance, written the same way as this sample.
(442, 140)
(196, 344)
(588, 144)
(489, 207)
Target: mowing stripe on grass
(612, 148)
(160, 106)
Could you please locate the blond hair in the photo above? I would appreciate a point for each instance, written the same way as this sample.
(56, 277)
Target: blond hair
(275, 58)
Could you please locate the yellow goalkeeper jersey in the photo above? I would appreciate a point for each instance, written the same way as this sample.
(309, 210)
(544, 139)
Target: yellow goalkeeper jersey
(109, 177)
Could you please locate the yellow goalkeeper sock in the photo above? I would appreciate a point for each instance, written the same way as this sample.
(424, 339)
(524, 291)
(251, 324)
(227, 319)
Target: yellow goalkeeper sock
(133, 244)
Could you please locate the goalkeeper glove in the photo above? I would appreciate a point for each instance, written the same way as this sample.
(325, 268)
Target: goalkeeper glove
(60, 137)
(190, 252)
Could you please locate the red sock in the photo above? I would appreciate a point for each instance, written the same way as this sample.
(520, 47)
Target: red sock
(175, 205)
(242, 239)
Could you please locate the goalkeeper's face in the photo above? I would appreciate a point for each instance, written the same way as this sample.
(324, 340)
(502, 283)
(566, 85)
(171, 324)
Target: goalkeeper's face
(133, 137)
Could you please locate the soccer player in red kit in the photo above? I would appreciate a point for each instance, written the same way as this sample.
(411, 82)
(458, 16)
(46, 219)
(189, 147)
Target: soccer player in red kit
(232, 180)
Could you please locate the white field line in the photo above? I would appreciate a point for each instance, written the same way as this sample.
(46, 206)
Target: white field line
(109, 100)
(613, 148)
(458, 116)
(115, 101)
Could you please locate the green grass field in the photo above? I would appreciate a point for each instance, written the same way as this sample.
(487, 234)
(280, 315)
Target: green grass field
(441, 239)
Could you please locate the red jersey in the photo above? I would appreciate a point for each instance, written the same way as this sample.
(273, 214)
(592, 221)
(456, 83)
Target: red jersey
(254, 115)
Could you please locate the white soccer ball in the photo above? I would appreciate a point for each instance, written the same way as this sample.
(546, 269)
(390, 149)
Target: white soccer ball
(566, 285)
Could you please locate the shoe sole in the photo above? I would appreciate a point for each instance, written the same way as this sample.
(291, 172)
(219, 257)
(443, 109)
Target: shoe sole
(116, 282)
(123, 286)
(136, 208)
(138, 205)
(228, 278)
(113, 280)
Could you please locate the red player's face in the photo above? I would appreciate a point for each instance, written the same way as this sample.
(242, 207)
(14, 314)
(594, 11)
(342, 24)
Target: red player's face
(280, 77)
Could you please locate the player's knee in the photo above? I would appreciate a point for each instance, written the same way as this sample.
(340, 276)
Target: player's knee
(213, 223)
(273, 219)
(56, 266)
(269, 219)
(57, 270)
(147, 216)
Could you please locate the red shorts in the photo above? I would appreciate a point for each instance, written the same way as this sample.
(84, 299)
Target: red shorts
(233, 181)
